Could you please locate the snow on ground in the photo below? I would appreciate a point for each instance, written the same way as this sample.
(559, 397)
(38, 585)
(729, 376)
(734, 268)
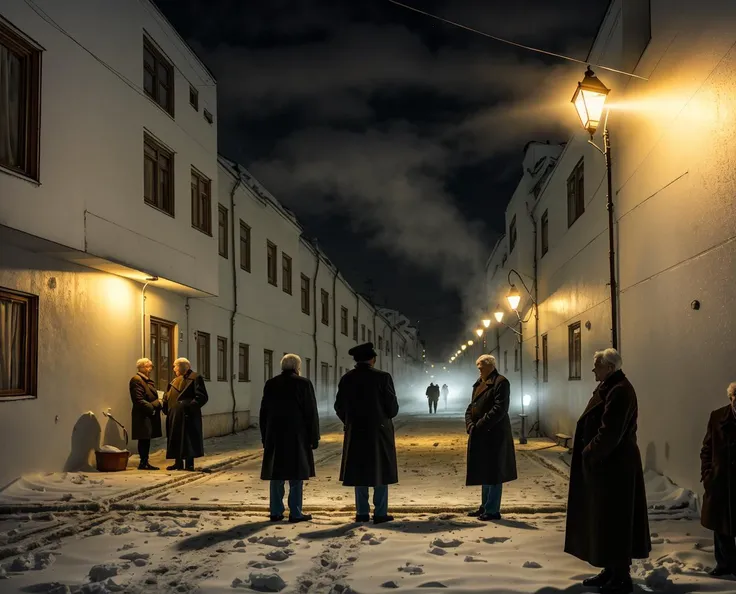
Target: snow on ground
(210, 534)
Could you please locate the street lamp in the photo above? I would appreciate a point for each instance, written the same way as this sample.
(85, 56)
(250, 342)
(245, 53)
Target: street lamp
(470, 343)
(589, 101)
(513, 297)
(498, 314)
(463, 347)
(479, 332)
(486, 323)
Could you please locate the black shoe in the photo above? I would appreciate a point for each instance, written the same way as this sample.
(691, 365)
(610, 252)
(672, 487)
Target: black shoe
(362, 518)
(276, 518)
(382, 519)
(618, 585)
(489, 517)
(720, 571)
(302, 518)
(189, 468)
(599, 580)
(175, 467)
(146, 466)
(478, 512)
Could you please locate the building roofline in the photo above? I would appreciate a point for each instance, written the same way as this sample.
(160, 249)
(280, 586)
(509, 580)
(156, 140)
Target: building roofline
(184, 41)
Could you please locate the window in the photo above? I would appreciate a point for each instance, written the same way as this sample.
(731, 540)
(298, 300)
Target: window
(208, 116)
(355, 328)
(271, 255)
(516, 358)
(575, 194)
(20, 96)
(545, 359)
(158, 176)
(222, 230)
(203, 354)
(244, 247)
(305, 295)
(380, 343)
(370, 336)
(574, 350)
(243, 362)
(267, 364)
(545, 233)
(158, 77)
(309, 368)
(221, 359)
(163, 337)
(505, 361)
(194, 98)
(201, 203)
(362, 332)
(18, 344)
(344, 321)
(286, 273)
(512, 234)
(325, 308)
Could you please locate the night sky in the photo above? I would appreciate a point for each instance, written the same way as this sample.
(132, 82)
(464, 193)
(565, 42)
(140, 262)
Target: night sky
(396, 139)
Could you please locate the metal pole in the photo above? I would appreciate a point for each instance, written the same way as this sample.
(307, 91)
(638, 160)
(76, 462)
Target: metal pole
(522, 437)
(611, 252)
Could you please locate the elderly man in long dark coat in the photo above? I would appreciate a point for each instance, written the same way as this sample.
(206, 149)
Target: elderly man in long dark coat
(183, 404)
(289, 432)
(146, 414)
(718, 473)
(607, 523)
(491, 456)
(366, 404)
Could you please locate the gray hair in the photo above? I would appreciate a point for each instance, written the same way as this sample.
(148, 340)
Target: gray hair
(290, 362)
(731, 390)
(486, 360)
(182, 362)
(141, 363)
(609, 357)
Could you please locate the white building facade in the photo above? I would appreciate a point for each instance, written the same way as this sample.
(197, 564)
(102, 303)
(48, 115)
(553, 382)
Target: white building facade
(674, 236)
(123, 235)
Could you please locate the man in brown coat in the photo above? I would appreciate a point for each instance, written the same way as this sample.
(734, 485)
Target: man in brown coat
(607, 523)
(718, 474)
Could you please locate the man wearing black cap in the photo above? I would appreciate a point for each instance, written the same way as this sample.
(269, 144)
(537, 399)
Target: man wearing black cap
(366, 402)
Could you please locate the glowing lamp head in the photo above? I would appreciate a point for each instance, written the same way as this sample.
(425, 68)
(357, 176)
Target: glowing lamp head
(479, 332)
(463, 347)
(486, 323)
(527, 400)
(498, 314)
(513, 297)
(470, 343)
(589, 100)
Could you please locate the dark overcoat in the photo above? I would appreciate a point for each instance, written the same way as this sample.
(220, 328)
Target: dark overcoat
(718, 472)
(433, 393)
(491, 456)
(183, 404)
(607, 520)
(366, 404)
(289, 428)
(146, 414)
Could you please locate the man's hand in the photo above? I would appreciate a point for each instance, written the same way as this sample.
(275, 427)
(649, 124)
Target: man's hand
(315, 445)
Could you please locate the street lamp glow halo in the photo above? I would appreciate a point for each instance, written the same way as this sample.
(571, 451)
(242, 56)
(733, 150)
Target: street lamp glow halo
(463, 347)
(486, 323)
(479, 332)
(498, 314)
(589, 101)
(470, 343)
(513, 297)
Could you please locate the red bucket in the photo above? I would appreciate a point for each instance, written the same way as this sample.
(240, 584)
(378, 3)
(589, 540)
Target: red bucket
(112, 461)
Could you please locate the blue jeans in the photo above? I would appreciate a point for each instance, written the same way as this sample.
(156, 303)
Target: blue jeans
(491, 498)
(295, 498)
(380, 501)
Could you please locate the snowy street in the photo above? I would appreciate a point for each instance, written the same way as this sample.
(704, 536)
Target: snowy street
(180, 532)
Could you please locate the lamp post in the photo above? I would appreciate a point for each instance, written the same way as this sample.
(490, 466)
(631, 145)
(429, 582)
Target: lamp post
(589, 101)
(479, 332)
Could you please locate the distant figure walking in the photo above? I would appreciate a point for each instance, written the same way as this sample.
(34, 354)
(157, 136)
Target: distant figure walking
(445, 394)
(183, 404)
(289, 432)
(491, 456)
(717, 461)
(366, 404)
(607, 523)
(146, 414)
(433, 396)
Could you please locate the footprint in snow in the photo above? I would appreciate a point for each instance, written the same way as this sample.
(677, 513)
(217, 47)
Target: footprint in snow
(432, 585)
(496, 539)
(437, 551)
(446, 544)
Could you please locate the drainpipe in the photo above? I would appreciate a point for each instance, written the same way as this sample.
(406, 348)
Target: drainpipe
(334, 323)
(314, 311)
(536, 319)
(234, 313)
(357, 317)
(186, 307)
(149, 280)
